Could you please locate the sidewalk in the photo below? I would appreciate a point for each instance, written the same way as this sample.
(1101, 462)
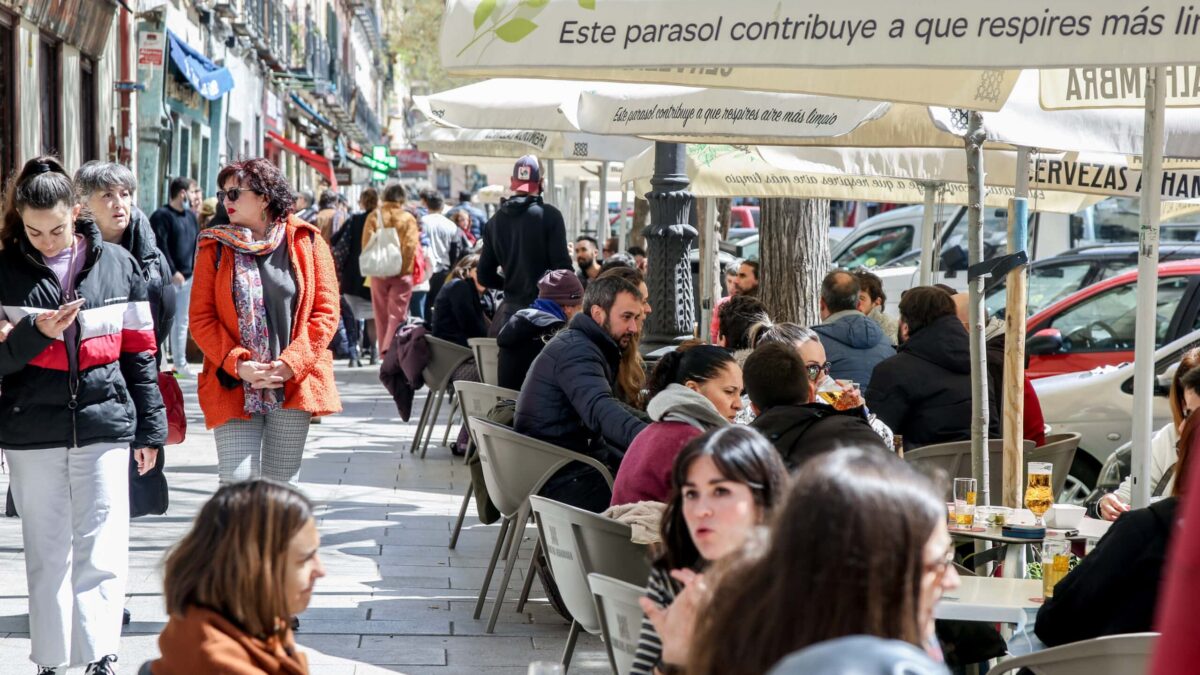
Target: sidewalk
(395, 600)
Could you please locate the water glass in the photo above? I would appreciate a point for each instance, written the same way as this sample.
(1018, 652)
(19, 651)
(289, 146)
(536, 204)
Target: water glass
(964, 502)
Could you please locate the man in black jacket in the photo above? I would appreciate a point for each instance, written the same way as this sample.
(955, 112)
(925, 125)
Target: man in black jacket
(524, 240)
(560, 297)
(176, 229)
(781, 393)
(567, 398)
(924, 391)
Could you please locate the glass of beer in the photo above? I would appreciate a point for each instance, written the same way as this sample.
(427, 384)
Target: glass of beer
(1039, 496)
(964, 502)
(839, 393)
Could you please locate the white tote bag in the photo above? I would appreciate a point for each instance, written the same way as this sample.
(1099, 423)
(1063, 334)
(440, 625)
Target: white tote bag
(382, 257)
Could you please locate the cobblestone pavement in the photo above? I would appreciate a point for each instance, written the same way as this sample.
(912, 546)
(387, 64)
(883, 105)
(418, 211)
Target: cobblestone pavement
(396, 599)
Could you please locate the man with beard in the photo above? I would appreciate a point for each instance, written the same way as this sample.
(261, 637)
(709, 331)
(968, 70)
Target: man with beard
(587, 256)
(567, 398)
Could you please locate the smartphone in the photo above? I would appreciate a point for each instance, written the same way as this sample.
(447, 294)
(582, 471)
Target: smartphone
(74, 304)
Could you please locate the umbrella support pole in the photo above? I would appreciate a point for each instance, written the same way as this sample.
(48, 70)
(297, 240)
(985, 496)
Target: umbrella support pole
(979, 384)
(1147, 288)
(603, 230)
(623, 220)
(708, 264)
(928, 236)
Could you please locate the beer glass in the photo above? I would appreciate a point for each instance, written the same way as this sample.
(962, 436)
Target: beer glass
(1039, 496)
(964, 502)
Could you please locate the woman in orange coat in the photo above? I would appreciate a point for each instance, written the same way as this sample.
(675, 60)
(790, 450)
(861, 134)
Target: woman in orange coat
(266, 307)
(234, 584)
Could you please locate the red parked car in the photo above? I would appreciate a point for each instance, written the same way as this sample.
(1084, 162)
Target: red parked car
(1094, 326)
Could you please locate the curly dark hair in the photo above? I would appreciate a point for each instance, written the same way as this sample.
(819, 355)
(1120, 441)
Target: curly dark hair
(263, 177)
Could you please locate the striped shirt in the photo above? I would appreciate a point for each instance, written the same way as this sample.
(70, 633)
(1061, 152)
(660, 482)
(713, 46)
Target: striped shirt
(661, 589)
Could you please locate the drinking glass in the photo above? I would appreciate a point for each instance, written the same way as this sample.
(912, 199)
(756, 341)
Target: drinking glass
(546, 668)
(1039, 496)
(838, 393)
(964, 502)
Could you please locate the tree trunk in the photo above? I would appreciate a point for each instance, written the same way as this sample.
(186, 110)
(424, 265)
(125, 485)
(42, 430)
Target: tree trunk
(641, 213)
(793, 257)
(724, 214)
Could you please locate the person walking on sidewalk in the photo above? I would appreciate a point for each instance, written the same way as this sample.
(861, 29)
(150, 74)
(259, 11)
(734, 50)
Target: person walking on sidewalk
(266, 309)
(447, 243)
(80, 391)
(176, 228)
(390, 296)
(526, 238)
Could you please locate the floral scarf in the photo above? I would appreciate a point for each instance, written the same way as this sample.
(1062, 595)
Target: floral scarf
(249, 302)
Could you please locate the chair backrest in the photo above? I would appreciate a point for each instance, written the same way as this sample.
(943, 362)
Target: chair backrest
(620, 618)
(516, 466)
(1059, 450)
(955, 460)
(487, 358)
(578, 543)
(477, 400)
(1111, 655)
(444, 357)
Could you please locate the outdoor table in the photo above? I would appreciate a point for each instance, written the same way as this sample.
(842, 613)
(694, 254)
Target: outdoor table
(994, 600)
(1014, 554)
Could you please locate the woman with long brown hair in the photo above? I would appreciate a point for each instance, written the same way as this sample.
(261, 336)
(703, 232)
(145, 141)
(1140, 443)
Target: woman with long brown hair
(234, 583)
(1163, 467)
(859, 547)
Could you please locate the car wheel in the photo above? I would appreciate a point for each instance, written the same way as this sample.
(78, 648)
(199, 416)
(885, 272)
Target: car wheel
(1080, 481)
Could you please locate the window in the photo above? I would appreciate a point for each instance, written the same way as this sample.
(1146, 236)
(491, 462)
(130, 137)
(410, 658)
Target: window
(8, 105)
(1105, 322)
(995, 233)
(185, 147)
(50, 93)
(877, 248)
(89, 146)
(1047, 285)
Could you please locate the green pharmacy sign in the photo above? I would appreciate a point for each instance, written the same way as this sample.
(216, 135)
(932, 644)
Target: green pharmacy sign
(381, 162)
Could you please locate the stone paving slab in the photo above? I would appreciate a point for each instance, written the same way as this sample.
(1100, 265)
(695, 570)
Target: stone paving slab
(396, 599)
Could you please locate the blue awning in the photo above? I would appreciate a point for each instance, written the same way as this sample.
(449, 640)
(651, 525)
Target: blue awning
(320, 119)
(206, 77)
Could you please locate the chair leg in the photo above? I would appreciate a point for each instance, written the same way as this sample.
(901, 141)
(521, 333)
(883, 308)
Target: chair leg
(421, 424)
(453, 403)
(487, 577)
(514, 547)
(569, 651)
(462, 515)
(432, 421)
(529, 575)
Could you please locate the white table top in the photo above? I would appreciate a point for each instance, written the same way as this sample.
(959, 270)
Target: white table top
(1089, 527)
(992, 600)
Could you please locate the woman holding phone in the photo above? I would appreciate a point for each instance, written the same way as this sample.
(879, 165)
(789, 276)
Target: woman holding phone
(80, 389)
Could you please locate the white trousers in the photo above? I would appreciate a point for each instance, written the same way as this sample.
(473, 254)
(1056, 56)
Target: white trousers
(179, 330)
(74, 508)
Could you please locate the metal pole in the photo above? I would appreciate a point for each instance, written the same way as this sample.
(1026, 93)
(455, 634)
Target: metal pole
(603, 231)
(622, 221)
(1014, 340)
(668, 240)
(1147, 287)
(582, 210)
(708, 263)
(928, 223)
(979, 384)
(551, 196)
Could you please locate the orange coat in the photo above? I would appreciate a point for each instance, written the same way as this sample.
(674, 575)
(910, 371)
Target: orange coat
(214, 327)
(397, 218)
(204, 642)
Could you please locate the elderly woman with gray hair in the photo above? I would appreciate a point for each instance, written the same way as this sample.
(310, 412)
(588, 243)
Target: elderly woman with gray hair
(105, 191)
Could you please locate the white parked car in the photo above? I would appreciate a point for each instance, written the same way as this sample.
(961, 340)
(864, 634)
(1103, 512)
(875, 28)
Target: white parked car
(1098, 405)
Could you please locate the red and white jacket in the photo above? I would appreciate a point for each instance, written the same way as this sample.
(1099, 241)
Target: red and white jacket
(110, 394)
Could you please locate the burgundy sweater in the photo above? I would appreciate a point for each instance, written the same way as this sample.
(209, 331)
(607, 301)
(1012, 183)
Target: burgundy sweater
(645, 473)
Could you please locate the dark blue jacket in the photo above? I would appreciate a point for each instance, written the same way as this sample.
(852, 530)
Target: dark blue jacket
(854, 345)
(567, 398)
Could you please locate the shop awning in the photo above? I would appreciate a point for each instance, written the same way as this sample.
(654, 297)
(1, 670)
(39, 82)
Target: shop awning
(206, 77)
(319, 162)
(317, 117)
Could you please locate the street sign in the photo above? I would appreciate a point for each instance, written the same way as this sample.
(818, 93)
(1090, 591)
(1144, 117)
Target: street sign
(151, 47)
(413, 160)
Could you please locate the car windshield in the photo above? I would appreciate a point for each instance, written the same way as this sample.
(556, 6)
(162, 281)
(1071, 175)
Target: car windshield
(877, 248)
(1047, 285)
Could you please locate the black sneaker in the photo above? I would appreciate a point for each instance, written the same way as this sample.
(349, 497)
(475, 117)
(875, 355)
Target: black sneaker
(107, 665)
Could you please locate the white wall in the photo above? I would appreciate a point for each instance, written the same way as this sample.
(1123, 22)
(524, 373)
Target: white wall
(27, 97)
(70, 136)
(244, 102)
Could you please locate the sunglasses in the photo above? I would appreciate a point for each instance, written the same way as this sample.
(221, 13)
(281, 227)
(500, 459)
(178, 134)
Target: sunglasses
(815, 370)
(232, 195)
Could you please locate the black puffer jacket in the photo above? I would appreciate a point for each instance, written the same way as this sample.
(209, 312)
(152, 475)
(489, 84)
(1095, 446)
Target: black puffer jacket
(139, 241)
(111, 394)
(521, 340)
(801, 432)
(924, 391)
(567, 398)
(527, 239)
